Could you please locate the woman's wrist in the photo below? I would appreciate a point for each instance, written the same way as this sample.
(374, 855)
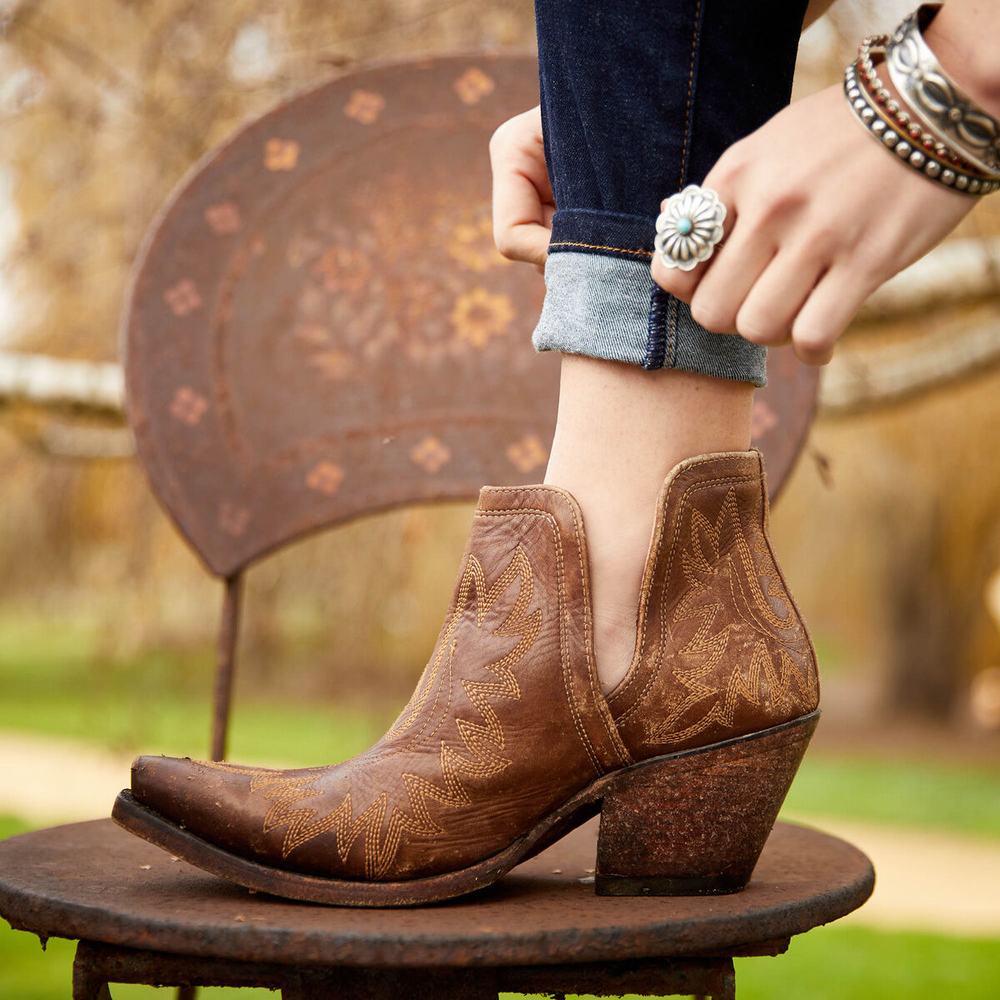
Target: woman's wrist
(965, 38)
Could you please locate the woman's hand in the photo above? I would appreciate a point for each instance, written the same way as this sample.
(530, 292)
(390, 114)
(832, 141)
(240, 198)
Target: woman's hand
(522, 198)
(818, 217)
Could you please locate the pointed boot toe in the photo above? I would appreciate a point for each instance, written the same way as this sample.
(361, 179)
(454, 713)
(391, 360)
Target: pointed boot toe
(204, 799)
(165, 784)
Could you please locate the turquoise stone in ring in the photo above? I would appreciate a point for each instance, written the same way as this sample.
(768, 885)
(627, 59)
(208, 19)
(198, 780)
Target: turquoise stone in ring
(689, 227)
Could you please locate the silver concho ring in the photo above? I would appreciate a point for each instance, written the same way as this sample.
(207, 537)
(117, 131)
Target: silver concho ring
(690, 227)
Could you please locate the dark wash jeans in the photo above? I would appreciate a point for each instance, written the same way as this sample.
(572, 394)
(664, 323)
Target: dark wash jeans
(640, 98)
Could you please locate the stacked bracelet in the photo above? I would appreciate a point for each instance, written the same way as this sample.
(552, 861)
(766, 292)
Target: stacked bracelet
(868, 77)
(906, 130)
(892, 137)
(945, 110)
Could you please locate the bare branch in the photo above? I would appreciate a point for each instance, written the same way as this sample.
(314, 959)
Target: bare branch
(88, 386)
(61, 440)
(956, 271)
(857, 380)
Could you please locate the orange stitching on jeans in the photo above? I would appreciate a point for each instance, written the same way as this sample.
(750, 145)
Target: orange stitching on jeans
(597, 246)
(682, 173)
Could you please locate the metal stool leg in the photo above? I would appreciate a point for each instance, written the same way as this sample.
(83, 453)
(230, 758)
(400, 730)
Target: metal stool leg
(726, 989)
(88, 983)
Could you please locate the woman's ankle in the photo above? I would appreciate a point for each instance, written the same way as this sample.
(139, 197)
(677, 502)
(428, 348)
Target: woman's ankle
(620, 432)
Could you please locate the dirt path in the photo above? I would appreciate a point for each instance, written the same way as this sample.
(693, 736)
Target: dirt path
(926, 881)
(45, 780)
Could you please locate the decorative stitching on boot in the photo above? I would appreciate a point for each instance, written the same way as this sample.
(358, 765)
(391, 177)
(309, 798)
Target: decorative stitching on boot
(484, 742)
(752, 610)
(661, 645)
(600, 699)
(411, 711)
(661, 523)
(710, 643)
(560, 564)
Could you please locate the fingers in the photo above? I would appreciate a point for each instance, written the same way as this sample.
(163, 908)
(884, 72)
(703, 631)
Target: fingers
(524, 241)
(772, 304)
(678, 283)
(522, 196)
(828, 310)
(736, 266)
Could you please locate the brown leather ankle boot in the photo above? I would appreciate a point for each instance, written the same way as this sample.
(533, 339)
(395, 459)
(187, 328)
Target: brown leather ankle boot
(508, 741)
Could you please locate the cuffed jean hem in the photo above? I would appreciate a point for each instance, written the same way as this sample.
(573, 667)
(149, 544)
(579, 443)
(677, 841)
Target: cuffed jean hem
(608, 307)
(585, 230)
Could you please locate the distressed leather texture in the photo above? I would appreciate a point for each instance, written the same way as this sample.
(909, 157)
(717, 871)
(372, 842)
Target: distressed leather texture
(508, 720)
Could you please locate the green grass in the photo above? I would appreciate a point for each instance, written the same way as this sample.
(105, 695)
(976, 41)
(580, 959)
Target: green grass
(55, 682)
(830, 963)
(854, 963)
(28, 973)
(931, 796)
(10, 826)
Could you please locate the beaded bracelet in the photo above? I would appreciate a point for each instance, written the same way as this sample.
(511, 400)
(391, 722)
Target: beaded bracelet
(907, 131)
(893, 137)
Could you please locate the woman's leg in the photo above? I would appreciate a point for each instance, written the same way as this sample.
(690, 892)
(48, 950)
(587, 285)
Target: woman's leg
(638, 99)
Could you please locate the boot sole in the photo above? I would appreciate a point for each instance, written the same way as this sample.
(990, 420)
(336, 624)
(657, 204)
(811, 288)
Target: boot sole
(689, 823)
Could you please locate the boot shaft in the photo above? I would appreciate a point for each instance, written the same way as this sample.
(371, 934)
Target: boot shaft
(721, 649)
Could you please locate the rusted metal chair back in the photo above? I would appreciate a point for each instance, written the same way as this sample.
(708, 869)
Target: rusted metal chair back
(319, 326)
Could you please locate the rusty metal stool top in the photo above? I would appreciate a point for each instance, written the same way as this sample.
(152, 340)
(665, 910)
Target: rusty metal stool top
(96, 882)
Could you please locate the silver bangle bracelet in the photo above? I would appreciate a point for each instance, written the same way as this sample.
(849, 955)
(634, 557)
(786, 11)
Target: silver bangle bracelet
(946, 111)
(870, 79)
(867, 113)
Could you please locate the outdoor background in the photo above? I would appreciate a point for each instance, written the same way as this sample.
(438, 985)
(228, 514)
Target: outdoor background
(889, 530)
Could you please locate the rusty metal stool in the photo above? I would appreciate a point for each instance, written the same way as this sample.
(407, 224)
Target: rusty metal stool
(320, 328)
(143, 918)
